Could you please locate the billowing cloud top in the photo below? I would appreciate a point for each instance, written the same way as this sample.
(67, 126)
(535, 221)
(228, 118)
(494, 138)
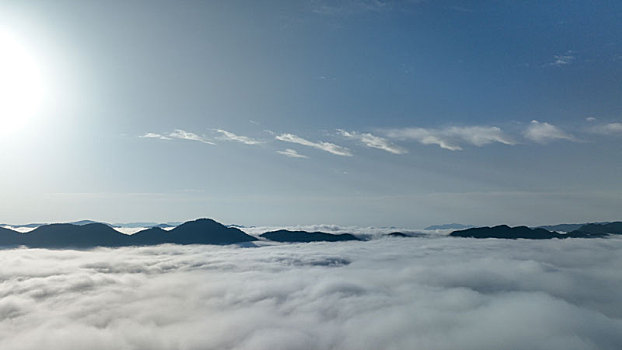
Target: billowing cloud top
(425, 293)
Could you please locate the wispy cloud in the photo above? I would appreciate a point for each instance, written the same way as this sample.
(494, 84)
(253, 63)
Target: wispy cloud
(545, 132)
(324, 146)
(562, 60)
(608, 129)
(349, 7)
(452, 138)
(152, 135)
(229, 136)
(372, 141)
(291, 153)
(185, 135)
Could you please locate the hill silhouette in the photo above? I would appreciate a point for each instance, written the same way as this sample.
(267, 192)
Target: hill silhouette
(598, 230)
(504, 231)
(89, 235)
(303, 236)
(453, 226)
(74, 236)
(201, 231)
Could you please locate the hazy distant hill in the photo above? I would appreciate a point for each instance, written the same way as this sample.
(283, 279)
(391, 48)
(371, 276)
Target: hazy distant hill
(303, 236)
(448, 227)
(504, 231)
(596, 230)
(565, 227)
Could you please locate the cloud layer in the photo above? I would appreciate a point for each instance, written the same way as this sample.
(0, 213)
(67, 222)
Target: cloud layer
(324, 146)
(422, 293)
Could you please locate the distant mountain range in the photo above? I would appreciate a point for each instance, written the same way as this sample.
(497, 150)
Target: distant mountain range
(85, 222)
(567, 227)
(87, 234)
(448, 227)
(506, 232)
(303, 236)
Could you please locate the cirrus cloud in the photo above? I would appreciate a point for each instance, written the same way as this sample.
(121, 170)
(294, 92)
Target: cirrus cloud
(229, 136)
(372, 141)
(452, 138)
(324, 146)
(291, 153)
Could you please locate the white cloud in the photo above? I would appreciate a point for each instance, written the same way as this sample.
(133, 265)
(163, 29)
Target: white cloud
(291, 153)
(151, 135)
(562, 60)
(590, 119)
(417, 293)
(451, 138)
(608, 129)
(324, 146)
(184, 135)
(545, 132)
(226, 135)
(373, 141)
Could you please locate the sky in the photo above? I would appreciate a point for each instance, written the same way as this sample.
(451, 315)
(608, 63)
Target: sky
(354, 112)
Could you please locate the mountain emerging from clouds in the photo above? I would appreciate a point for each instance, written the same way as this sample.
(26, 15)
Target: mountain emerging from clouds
(207, 231)
(448, 227)
(88, 235)
(303, 236)
(506, 232)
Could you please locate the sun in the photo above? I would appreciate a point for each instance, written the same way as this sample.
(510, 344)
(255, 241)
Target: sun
(21, 84)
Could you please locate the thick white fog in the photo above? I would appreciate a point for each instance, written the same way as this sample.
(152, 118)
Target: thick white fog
(410, 293)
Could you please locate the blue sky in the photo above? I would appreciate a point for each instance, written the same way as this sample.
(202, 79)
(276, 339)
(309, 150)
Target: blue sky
(301, 112)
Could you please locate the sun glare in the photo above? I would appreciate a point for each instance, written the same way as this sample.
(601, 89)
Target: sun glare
(21, 84)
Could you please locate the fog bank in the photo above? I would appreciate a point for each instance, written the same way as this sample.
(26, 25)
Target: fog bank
(411, 293)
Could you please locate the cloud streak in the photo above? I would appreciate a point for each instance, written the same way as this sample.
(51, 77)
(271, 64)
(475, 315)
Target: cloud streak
(152, 135)
(452, 138)
(372, 141)
(291, 153)
(324, 146)
(429, 293)
(545, 133)
(608, 129)
(229, 136)
(185, 135)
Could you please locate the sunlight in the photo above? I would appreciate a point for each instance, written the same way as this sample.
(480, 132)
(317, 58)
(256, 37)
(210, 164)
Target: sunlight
(21, 84)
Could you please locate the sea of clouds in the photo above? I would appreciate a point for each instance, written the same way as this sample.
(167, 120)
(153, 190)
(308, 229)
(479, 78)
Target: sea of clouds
(429, 292)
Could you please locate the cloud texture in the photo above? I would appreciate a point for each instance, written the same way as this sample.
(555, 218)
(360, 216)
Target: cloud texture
(422, 293)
